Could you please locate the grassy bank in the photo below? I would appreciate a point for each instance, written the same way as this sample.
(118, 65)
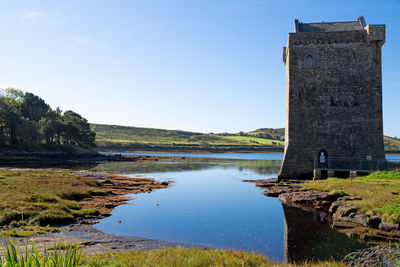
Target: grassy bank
(379, 192)
(33, 198)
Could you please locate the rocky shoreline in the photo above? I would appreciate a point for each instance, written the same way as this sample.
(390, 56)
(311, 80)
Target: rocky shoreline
(344, 217)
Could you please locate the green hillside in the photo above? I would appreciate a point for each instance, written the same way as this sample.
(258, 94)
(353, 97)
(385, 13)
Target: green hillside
(120, 138)
(113, 137)
(392, 144)
(271, 133)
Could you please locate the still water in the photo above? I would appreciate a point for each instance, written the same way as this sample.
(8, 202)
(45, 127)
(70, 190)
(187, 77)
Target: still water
(208, 204)
(266, 156)
(255, 156)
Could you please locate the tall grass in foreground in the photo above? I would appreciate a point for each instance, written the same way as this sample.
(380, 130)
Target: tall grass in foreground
(193, 257)
(190, 257)
(31, 257)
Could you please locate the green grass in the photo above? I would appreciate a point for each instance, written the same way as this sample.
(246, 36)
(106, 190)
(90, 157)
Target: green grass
(31, 257)
(255, 140)
(64, 246)
(379, 192)
(29, 230)
(42, 197)
(269, 133)
(69, 255)
(391, 144)
(126, 134)
(186, 257)
(177, 257)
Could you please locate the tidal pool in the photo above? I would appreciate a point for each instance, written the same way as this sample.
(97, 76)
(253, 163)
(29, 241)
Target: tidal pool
(209, 205)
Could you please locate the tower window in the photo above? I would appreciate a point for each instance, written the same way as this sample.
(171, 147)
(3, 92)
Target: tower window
(309, 61)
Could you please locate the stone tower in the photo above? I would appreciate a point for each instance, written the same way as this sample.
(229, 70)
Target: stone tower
(333, 94)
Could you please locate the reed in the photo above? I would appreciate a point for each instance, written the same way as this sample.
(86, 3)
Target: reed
(67, 257)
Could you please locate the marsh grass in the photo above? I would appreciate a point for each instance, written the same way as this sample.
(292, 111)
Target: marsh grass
(187, 257)
(42, 197)
(70, 256)
(379, 192)
(64, 246)
(29, 230)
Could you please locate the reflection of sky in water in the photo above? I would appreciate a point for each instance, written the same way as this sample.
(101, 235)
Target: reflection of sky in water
(210, 207)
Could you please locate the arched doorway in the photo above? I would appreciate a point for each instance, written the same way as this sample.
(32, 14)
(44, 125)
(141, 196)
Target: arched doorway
(323, 158)
(323, 163)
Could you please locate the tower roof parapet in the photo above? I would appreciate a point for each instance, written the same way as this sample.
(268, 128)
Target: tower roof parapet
(337, 26)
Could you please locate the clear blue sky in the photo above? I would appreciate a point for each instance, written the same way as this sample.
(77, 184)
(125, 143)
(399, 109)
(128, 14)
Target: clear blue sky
(199, 65)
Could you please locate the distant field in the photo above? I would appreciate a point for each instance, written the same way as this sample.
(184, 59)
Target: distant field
(255, 140)
(114, 137)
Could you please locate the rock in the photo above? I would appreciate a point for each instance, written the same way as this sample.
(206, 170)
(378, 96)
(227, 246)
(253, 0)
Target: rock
(265, 185)
(272, 193)
(283, 198)
(351, 215)
(276, 191)
(334, 206)
(374, 222)
(342, 225)
(324, 203)
(165, 183)
(109, 205)
(316, 200)
(388, 227)
(344, 198)
(344, 211)
(306, 196)
(360, 219)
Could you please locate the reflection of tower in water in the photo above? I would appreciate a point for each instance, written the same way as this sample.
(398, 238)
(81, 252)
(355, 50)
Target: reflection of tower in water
(309, 237)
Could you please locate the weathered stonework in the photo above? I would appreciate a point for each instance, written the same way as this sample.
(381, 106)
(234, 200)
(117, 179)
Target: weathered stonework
(333, 94)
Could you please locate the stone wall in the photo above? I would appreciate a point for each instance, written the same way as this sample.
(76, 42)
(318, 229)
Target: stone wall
(333, 97)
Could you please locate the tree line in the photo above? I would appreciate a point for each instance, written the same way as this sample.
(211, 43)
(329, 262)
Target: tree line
(28, 123)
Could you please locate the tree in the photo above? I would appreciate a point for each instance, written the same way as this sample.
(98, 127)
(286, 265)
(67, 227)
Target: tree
(34, 107)
(27, 123)
(10, 103)
(77, 130)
